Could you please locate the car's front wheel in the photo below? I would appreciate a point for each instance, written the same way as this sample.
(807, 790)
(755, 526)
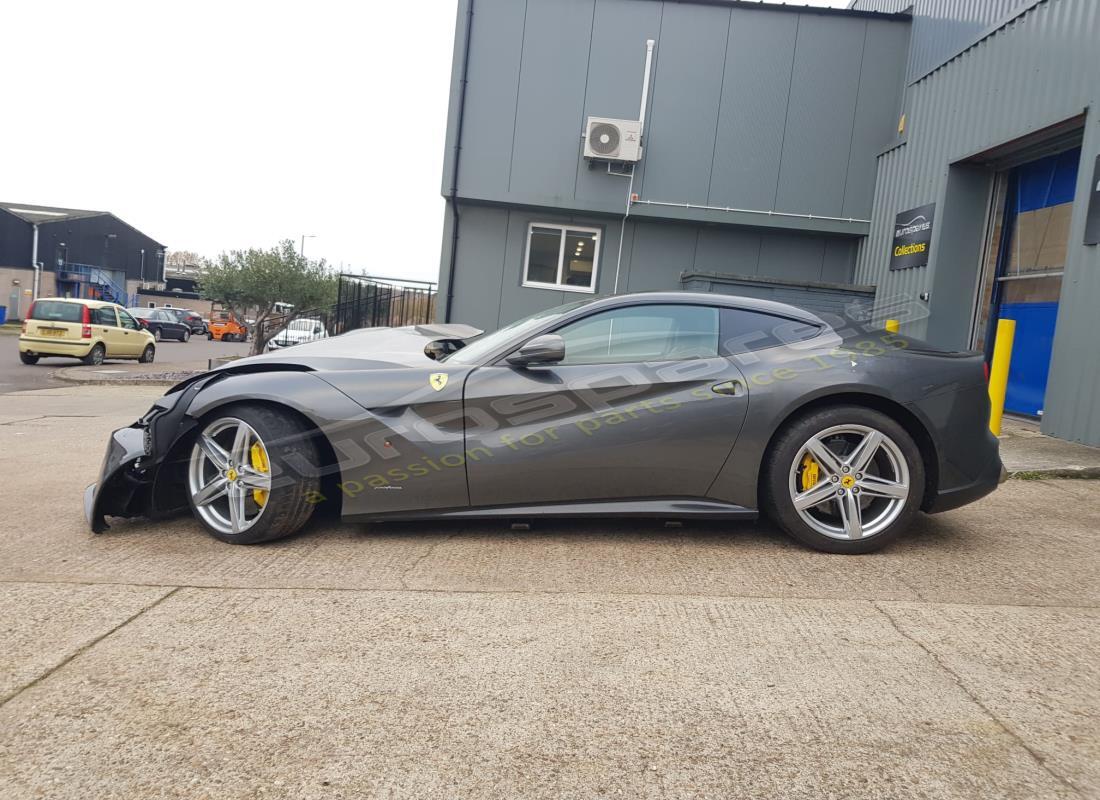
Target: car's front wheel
(845, 479)
(186, 336)
(244, 476)
(148, 354)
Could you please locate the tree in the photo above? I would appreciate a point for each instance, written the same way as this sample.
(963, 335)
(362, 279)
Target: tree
(183, 258)
(256, 280)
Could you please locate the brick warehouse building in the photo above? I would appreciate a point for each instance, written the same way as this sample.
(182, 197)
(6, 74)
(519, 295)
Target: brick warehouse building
(91, 254)
(937, 158)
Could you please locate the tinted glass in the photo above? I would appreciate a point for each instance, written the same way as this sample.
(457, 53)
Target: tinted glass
(543, 249)
(580, 259)
(744, 331)
(104, 316)
(642, 333)
(57, 311)
(483, 345)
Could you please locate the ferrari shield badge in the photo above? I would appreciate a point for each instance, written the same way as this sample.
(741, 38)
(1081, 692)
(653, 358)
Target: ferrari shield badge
(438, 380)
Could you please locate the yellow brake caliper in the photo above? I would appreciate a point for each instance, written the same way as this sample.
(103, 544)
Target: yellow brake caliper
(810, 473)
(259, 463)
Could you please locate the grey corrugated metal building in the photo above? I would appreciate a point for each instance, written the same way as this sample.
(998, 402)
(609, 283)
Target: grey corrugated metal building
(935, 155)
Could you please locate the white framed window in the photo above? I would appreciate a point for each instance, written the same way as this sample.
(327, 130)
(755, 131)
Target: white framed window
(562, 257)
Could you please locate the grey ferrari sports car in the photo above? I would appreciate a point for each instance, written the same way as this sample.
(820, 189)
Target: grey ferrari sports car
(667, 405)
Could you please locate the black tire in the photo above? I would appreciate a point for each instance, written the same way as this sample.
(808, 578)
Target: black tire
(186, 336)
(289, 444)
(28, 359)
(209, 336)
(148, 354)
(95, 356)
(156, 334)
(776, 494)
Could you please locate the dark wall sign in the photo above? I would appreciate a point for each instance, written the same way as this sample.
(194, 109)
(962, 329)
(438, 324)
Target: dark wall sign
(912, 237)
(1092, 221)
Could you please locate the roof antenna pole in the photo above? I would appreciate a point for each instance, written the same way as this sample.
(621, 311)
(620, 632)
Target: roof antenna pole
(641, 129)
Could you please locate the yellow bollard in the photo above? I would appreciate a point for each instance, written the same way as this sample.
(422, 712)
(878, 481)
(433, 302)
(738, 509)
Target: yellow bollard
(893, 325)
(998, 372)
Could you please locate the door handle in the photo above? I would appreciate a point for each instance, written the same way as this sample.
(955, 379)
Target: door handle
(733, 387)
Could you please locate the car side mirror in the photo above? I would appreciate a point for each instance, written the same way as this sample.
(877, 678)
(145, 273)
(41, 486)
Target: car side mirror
(546, 349)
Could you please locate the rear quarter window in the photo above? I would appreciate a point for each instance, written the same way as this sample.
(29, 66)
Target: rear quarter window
(744, 331)
(57, 311)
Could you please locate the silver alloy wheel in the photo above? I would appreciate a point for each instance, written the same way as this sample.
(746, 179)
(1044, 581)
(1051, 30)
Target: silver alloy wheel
(221, 477)
(859, 492)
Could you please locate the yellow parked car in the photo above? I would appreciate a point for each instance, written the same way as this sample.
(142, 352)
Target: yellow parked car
(90, 330)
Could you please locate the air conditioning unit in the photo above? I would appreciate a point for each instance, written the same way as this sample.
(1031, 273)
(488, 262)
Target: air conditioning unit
(613, 139)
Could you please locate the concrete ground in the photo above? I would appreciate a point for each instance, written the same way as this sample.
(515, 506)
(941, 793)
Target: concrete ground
(577, 660)
(16, 376)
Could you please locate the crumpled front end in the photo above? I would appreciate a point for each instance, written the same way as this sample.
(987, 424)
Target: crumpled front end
(141, 471)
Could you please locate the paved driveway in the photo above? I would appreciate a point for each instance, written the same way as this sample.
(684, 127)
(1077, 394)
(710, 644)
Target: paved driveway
(577, 660)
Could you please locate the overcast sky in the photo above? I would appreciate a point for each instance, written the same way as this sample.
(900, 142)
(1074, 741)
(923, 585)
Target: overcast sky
(217, 125)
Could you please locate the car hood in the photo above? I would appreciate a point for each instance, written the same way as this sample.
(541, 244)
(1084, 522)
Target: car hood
(366, 348)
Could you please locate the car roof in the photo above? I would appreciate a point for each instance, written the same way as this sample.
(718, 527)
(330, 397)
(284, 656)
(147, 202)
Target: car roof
(709, 299)
(79, 301)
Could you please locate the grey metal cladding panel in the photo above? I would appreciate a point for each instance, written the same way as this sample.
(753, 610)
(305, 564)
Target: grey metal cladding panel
(794, 257)
(480, 264)
(615, 67)
(839, 262)
(878, 107)
(736, 252)
(941, 28)
(549, 114)
(660, 253)
(759, 60)
(821, 112)
(685, 95)
(492, 80)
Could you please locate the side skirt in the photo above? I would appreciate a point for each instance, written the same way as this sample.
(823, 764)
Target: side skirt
(670, 507)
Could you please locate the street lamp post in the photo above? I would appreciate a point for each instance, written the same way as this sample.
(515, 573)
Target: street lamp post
(302, 248)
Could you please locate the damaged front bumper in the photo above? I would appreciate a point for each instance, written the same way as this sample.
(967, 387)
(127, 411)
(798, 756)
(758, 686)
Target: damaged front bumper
(124, 485)
(142, 473)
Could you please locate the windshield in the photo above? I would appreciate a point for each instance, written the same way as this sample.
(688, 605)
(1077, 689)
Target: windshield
(482, 345)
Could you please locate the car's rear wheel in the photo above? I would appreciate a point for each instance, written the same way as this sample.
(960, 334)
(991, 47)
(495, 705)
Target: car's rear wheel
(845, 479)
(95, 356)
(241, 482)
(148, 354)
(186, 336)
(156, 334)
(28, 359)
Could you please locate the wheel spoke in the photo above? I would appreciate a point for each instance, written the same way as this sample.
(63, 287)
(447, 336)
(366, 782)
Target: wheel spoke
(816, 495)
(212, 491)
(859, 458)
(255, 480)
(214, 451)
(241, 443)
(852, 515)
(236, 507)
(826, 458)
(880, 487)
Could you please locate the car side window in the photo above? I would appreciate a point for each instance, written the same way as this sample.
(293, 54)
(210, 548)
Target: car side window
(104, 315)
(744, 331)
(128, 321)
(642, 333)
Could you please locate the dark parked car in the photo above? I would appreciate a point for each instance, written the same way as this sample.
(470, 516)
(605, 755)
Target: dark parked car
(191, 319)
(161, 324)
(666, 405)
